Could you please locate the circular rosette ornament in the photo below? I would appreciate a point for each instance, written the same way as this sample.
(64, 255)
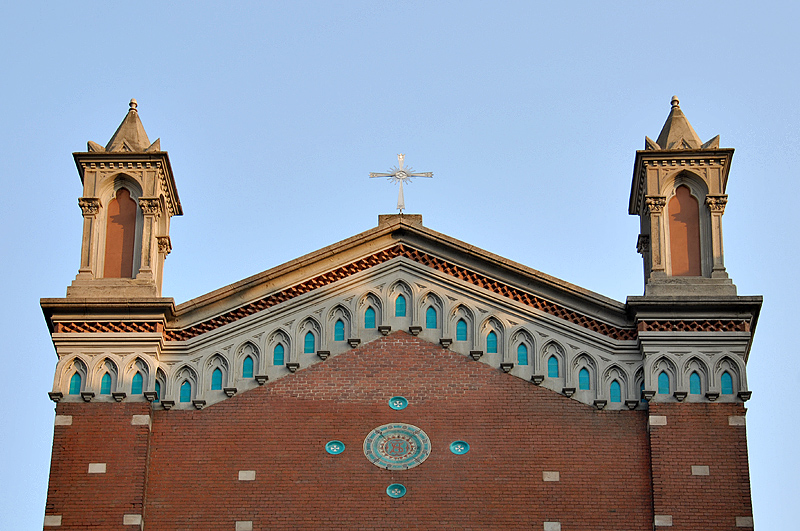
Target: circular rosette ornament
(397, 446)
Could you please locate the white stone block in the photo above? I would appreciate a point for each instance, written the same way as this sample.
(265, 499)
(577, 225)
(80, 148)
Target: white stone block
(699, 470)
(247, 475)
(552, 526)
(663, 520)
(744, 521)
(244, 525)
(736, 421)
(141, 420)
(132, 519)
(658, 420)
(52, 520)
(97, 468)
(63, 420)
(551, 476)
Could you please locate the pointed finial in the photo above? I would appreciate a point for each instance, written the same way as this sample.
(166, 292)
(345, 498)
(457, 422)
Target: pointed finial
(133, 105)
(675, 102)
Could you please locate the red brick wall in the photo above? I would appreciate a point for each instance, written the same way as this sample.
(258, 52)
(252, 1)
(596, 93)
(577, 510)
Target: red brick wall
(101, 432)
(699, 434)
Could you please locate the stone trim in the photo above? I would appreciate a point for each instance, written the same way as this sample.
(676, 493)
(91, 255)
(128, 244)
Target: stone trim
(52, 520)
(92, 327)
(732, 325)
(662, 520)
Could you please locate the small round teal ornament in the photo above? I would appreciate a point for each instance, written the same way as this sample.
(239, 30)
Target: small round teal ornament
(396, 490)
(334, 447)
(459, 447)
(398, 402)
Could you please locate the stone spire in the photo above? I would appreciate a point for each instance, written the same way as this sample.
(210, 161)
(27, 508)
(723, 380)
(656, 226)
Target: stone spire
(678, 133)
(130, 136)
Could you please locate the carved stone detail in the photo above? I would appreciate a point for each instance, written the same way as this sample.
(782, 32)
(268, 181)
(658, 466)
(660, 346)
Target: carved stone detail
(150, 206)
(655, 204)
(643, 244)
(164, 244)
(90, 206)
(716, 203)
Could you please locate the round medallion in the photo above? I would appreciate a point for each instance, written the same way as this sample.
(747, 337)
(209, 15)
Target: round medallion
(397, 446)
(398, 402)
(459, 447)
(396, 490)
(334, 447)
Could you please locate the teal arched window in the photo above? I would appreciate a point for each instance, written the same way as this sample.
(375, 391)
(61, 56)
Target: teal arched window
(369, 318)
(186, 392)
(727, 383)
(430, 317)
(75, 384)
(583, 379)
(616, 392)
(137, 384)
(105, 384)
(694, 384)
(308, 344)
(247, 367)
(158, 391)
(491, 343)
(663, 383)
(400, 306)
(461, 330)
(552, 367)
(277, 355)
(216, 380)
(522, 354)
(338, 331)
(641, 392)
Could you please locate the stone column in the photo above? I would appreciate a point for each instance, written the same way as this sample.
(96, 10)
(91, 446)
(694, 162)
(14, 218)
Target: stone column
(151, 209)
(90, 206)
(655, 207)
(716, 204)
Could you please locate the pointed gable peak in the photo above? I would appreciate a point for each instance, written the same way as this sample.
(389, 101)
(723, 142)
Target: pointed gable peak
(130, 135)
(677, 132)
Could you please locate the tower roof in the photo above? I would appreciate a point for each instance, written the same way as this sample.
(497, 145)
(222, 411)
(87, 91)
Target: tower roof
(130, 135)
(678, 133)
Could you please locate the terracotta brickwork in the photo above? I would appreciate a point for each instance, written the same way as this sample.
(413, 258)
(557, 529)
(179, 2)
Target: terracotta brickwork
(700, 435)
(99, 433)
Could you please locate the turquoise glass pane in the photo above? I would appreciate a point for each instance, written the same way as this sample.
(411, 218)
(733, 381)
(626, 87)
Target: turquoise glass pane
(247, 367)
(583, 380)
(522, 354)
(158, 391)
(369, 318)
(461, 330)
(727, 383)
(216, 380)
(400, 306)
(338, 331)
(277, 355)
(308, 344)
(491, 343)
(75, 384)
(616, 392)
(105, 384)
(137, 383)
(694, 384)
(641, 392)
(552, 367)
(186, 392)
(430, 317)
(663, 383)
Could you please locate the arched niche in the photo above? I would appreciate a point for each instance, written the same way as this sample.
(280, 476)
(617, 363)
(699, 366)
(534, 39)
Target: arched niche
(121, 229)
(687, 226)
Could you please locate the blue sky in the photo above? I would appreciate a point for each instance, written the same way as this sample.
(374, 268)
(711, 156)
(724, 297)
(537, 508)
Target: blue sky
(529, 115)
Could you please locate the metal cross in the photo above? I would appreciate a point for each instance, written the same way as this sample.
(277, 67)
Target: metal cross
(399, 174)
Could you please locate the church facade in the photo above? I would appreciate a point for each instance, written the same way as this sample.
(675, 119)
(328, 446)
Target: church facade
(401, 378)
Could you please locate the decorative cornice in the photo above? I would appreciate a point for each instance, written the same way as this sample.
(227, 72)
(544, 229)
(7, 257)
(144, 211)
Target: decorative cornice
(90, 206)
(716, 203)
(730, 325)
(90, 327)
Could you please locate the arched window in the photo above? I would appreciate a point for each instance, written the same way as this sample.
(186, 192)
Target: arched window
(308, 345)
(727, 383)
(552, 367)
(663, 383)
(338, 331)
(684, 234)
(694, 384)
(583, 379)
(158, 391)
(277, 355)
(105, 384)
(430, 317)
(137, 384)
(522, 354)
(75, 384)
(186, 391)
(616, 392)
(400, 306)
(247, 367)
(461, 330)
(216, 380)
(641, 392)
(369, 318)
(120, 236)
(491, 343)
